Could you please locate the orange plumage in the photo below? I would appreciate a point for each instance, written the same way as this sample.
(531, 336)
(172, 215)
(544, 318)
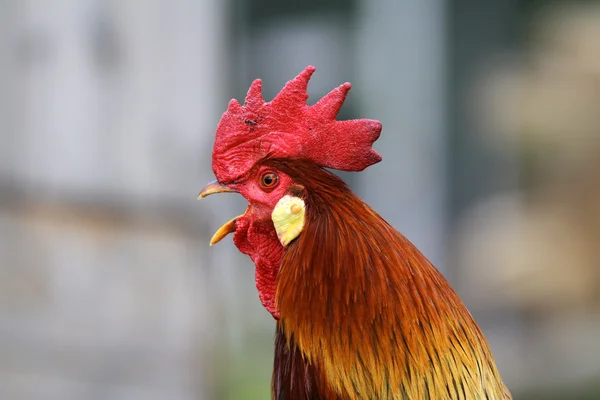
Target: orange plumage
(361, 313)
(367, 312)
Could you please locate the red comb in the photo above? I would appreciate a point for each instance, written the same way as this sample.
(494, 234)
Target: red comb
(288, 127)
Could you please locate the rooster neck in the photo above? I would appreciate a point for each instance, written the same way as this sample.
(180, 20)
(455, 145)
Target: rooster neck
(371, 315)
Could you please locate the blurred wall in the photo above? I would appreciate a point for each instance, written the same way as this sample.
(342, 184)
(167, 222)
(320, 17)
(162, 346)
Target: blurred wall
(525, 189)
(103, 282)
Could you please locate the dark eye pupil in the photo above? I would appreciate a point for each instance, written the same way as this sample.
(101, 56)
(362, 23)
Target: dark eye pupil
(268, 179)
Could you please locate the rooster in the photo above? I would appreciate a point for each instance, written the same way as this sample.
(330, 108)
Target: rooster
(360, 312)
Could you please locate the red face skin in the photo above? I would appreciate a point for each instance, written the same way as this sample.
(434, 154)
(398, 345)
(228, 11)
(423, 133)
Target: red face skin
(254, 232)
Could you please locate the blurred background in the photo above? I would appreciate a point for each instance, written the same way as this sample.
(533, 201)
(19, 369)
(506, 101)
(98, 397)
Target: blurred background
(491, 166)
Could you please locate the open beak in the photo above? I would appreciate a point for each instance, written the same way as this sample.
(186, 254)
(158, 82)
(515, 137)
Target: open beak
(229, 226)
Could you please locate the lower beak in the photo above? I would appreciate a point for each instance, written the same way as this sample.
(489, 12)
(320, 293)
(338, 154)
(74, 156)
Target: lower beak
(229, 226)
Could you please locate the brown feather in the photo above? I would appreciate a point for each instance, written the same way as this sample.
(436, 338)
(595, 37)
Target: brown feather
(364, 315)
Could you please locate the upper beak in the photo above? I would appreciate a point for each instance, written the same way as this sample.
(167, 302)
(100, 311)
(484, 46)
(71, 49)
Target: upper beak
(212, 188)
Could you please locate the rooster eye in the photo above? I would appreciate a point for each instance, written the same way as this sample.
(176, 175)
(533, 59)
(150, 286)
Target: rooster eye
(269, 180)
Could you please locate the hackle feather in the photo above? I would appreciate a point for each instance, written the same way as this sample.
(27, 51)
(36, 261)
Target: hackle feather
(364, 315)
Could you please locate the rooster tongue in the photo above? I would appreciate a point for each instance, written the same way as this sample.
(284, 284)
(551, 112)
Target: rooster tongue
(227, 228)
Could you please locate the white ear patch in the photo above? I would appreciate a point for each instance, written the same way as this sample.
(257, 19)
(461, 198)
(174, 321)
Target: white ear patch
(288, 218)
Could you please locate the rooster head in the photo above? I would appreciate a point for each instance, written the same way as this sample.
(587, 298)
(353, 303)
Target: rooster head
(248, 136)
